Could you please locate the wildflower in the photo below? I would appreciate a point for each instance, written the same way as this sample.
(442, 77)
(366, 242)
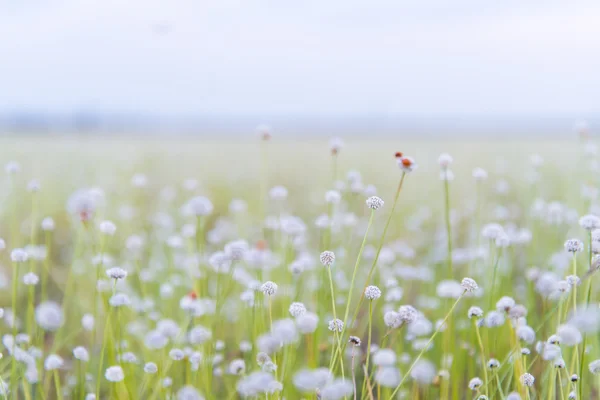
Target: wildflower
(387, 376)
(355, 340)
(527, 379)
(332, 197)
(392, 319)
(30, 279)
(53, 362)
(423, 372)
(307, 323)
(119, 300)
(505, 304)
(517, 311)
(407, 314)
(469, 285)
(574, 378)
(335, 325)
(372, 292)
(150, 368)
(384, 357)
(444, 160)
(492, 231)
(559, 363)
(48, 224)
(479, 174)
(594, 367)
(116, 273)
(406, 164)
(176, 354)
(114, 374)
(199, 206)
(87, 321)
(49, 316)
(237, 367)
(569, 334)
(589, 222)
(264, 131)
(327, 258)
(573, 245)
(475, 383)
(375, 203)
(269, 288)
(335, 145)
(475, 312)
(81, 353)
(12, 167)
(19, 256)
(107, 228)
(297, 309)
(494, 319)
(493, 363)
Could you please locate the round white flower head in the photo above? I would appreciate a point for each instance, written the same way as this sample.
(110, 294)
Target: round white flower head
(297, 309)
(517, 311)
(49, 316)
(493, 363)
(505, 304)
(53, 362)
(335, 325)
(569, 334)
(332, 197)
(527, 379)
(513, 396)
(150, 368)
(392, 319)
(384, 357)
(33, 186)
(90, 396)
(375, 203)
(492, 231)
(278, 193)
(407, 314)
(480, 174)
(116, 273)
(237, 367)
(335, 145)
(119, 300)
(573, 245)
(19, 256)
(176, 354)
(114, 374)
(574, 378)
(475, 383)
(12, 167)
(327, 258)
(475, 312)
(406, 164)
(264, 131)
(594, 367)
(269, 288)
(30, 279)
(307, 323)
(372, 292)
(589, 222)
(199, 206)
(107, 228)
(444, 160)
(48, 224)
(87, 321)
(469, 285)
(355, 340)
(81, 353)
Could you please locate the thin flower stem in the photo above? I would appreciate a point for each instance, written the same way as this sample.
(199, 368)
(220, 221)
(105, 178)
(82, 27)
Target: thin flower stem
(448, 226)
(482, 353)
(407, 374)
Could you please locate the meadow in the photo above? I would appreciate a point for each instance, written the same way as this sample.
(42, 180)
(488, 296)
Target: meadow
(279, 268)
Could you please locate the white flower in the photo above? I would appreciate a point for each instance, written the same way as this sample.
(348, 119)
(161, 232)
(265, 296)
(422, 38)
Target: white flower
(49, 316)
(19, 256)
(406, 164)
(150, 368)
(375, 203)
(107, 228)
(335, 325)
(527, 379)
(444, 160)
(53, 362)
(114, 374)
(332, 197)
(269, 288)
(407, 314)
(475, 312)
(30, 278)
(81, 353)
(48, 224)
(589, 222)
(116, 273)
(469, 285)
(594, 367)
(327, 258)
(372, 292)
(87, 321)
(480, 174)
(297, 309)
(573, 245)
(475, 383)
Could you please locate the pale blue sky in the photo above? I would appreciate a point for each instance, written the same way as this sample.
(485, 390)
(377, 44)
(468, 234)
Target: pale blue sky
(301, 57)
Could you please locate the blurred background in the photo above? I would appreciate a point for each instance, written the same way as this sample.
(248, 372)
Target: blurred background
(311, 68)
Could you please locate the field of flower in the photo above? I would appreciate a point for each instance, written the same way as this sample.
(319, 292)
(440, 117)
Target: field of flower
(273, 268)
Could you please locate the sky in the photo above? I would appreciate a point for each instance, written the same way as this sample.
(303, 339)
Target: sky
(336, 57)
